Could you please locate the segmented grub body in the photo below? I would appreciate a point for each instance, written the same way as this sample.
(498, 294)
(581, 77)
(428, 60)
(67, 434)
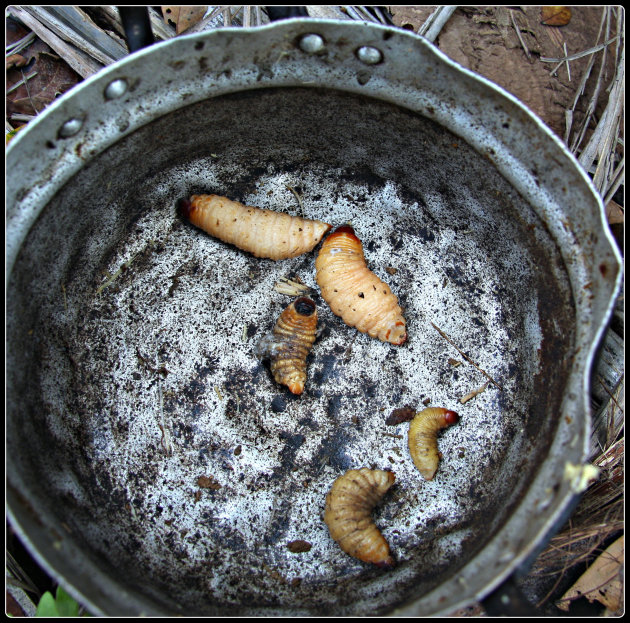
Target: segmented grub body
(262, 232)
(348, 514)
(423, 432)
(290, 342)
(354, 292)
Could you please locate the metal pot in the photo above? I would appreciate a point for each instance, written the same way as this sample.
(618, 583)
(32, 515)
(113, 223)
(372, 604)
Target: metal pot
(130, 334)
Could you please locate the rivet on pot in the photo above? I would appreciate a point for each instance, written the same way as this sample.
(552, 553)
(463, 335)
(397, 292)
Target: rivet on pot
(115, 89)
(369, 55)
(70, 128)
(312, 44)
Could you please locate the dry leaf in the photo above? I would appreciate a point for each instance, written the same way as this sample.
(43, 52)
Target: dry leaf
(614, 212)
(53, 77)
(555, 15)
(183, 17)
(16, 60)
(601, 581)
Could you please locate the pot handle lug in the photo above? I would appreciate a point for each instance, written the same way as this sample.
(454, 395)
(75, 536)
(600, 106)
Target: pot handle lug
(137, 26)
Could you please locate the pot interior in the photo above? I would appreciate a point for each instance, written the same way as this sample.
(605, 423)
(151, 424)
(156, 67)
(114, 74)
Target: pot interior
(132, 372)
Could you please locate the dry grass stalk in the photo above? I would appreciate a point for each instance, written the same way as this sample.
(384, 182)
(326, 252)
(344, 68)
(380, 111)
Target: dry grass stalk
(464, 355)
(602, 146)
(435, 22)
(520, 37)
(291, 287)
(598, 517)
(81, 62)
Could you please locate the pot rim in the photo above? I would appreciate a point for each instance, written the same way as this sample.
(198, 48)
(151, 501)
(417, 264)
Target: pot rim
(520, 164)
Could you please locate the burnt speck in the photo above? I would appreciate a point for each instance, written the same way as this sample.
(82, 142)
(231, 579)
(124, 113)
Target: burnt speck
(369, 388)
(426, 234)
(334, 406)
(332, 452)
(327, 369)
(279, 404)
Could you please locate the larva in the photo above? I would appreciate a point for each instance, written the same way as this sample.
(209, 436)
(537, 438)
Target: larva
(423, 432)
(354, 292)
(348, 514)
(264, 233)
(288, 345)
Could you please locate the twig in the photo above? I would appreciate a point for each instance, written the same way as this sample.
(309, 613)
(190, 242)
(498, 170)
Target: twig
(566, 53)
(473, 393)
(299, 199)
(82, 63)
(464, 355)
(435, 22)
(18, 46)
(353, 13)
(21, 117)
(589, 153)
(165, 441)
(553, 588)
(518, 34)
(590, 110)
(367, 15)
(227, 16)
(612, 397)
(574, 57)
(28, 91)
(290, 287)
(580, 91)
(617, 179)
(218, 393)
(247, 16)
(609, 124)
(379, 14)
(17, 85)
(74, 26)
(259, 16)
(111, 278)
